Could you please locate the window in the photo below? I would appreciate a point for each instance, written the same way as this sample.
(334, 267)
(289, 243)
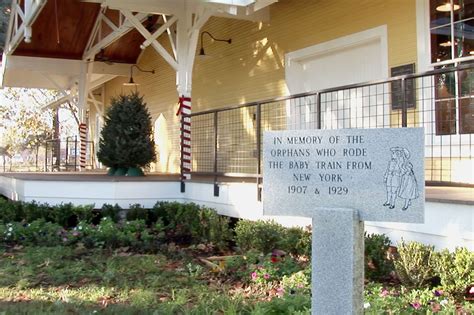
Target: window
(452, 42)
(451, 30)
(454, 102)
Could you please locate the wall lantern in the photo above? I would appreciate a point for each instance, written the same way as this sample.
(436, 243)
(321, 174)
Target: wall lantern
(131, 82)
(201, 51)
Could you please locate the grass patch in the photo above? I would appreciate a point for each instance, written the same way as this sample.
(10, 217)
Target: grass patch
(66, 280)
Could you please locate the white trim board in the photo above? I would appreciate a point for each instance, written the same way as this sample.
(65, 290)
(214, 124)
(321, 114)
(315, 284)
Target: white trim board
(294, 60)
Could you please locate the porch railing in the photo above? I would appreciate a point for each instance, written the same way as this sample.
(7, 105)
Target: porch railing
(228, 141)
(50, 156)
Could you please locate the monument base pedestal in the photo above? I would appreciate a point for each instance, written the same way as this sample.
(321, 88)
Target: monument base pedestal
(337, 262)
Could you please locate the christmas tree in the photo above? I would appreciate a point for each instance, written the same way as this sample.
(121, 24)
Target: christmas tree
(126, 139)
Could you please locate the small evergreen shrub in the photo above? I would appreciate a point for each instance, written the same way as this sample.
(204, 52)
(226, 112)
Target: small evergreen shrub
(83, 213)
(414, 264)
(263, 236)
(10, 211)
(190, 223)
(377, 264)
(34, 211)
(37, 233)
(126, 139)
(296, 241)
(62, 214)
(41, 233)
(137, 212)
(456, 270)
(112, 212)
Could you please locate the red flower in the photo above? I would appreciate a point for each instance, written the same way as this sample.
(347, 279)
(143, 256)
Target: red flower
(274, 259)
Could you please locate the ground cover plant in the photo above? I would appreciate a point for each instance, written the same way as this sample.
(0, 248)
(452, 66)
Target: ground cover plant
(185, 259)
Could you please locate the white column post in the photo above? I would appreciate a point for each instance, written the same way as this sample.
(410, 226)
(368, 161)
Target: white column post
(82, 108)
(184, 87)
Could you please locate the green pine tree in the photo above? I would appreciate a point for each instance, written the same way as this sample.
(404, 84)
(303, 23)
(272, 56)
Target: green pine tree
(126, 138)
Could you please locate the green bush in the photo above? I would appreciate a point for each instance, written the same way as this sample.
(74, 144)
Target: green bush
(263, 236)
(296, 241)
(10, 210)
(414, 264)
(190, 223)
(214, 228)
(62, 214)
(112, 212)
(34, 211)
(298, 282)
(400, 300)
(84, 213)
(137, 212)
(37, 233)
(42, 233)
(377, 264)
(456, 270)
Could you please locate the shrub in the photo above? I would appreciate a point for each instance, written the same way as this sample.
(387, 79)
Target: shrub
(42, 233)
(126, 139)
(190, 223)
(271, 269)
(382, 300)
(456, 270)
(296, 241)
(298, 282)
(137, 212)
(214, 228)
(84, 213)
(33, 211)
(10, 211)
(414, 264)
(263, 236)
(112, 212)
(38, 233)
(377, 264)
(62, 214)
(10, 232)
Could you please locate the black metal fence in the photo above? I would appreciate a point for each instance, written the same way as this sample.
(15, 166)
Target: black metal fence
(51, 156)
(228, 141)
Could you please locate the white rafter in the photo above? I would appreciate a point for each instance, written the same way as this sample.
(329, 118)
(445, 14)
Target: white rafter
(158, 32)
(172, 37)
(20, 22)
(148, 37)
(97, 41)
(97, 104)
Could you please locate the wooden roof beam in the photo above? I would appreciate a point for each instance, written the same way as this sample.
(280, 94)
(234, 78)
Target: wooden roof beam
(149, 37)
(167, 7)
(21, 21)
(97, 42)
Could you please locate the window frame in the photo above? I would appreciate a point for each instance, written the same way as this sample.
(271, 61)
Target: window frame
(452, 23)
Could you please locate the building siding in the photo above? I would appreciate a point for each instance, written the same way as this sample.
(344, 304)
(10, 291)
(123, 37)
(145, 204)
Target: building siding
(252, 67)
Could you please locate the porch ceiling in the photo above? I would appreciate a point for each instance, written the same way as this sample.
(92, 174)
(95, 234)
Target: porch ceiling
(65, 30)
(61, 30)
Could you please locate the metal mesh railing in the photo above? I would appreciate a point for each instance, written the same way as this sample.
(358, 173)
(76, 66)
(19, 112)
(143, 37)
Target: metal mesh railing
(228, 141)
(51, 155)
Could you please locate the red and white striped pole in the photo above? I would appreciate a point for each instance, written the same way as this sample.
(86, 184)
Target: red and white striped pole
(83, 138)
(185, 111)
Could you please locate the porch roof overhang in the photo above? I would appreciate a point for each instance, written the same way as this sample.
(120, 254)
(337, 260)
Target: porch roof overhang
(49, 41)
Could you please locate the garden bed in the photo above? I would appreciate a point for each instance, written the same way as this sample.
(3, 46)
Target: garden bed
(185, 259)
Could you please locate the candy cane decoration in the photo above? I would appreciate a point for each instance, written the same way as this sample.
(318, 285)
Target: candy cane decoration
(83, 138)
(185, 111)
